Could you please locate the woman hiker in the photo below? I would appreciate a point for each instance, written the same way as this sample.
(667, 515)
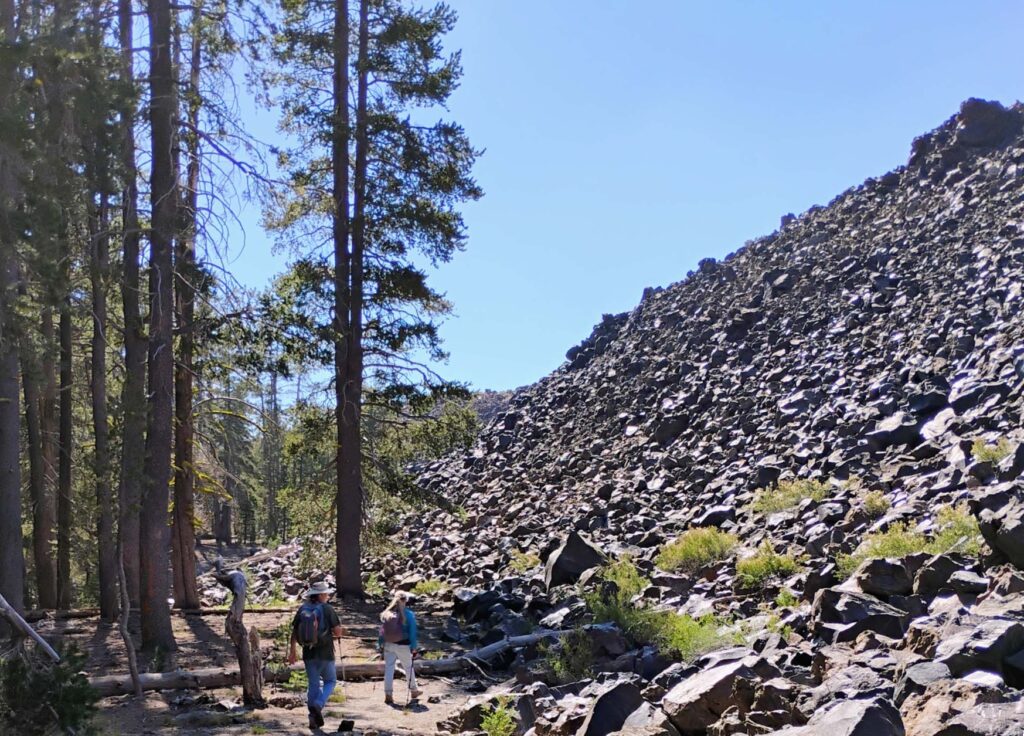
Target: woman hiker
(397, 642)
(316, 626)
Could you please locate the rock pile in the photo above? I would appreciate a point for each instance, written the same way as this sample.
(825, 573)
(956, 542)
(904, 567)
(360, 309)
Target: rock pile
(843, 399)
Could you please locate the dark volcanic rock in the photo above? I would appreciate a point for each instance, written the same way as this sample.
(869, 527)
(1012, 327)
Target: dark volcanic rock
(572, 559)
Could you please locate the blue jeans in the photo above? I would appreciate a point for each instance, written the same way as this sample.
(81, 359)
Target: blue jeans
(315, 670)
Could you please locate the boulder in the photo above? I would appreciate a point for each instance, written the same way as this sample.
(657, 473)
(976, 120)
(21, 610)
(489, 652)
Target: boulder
(870, 717)
(574, 557)
(841, 615)
(697, 702)
(614, 704)
(884, 577)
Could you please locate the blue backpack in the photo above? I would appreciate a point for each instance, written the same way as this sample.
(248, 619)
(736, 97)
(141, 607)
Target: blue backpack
(312, 625)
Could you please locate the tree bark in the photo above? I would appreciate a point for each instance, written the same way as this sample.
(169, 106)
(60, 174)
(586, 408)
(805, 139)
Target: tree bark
(247, 643)
(98, 272)
(349, 522)
(42, 500)
(133, 391)
(157, 636)
(65, 595)
(350, 498)
(12, 566)
(186, 591)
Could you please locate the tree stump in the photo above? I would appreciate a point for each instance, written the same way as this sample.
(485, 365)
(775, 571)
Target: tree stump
(247, 643)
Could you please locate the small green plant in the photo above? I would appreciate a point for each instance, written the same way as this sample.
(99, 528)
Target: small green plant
(523, 561)
(983, 452)
(337, 697)
(374, 586)
(259, 729)
(788, 494)
(695, 549)
(957, 530)
(430, 587)
(573, 659)
(297, 682)
(765, 565)
(786, 599)
(432, 654)
(775, 626)
(461, 514)
(499, 720)
(678, 634)
(876, 504)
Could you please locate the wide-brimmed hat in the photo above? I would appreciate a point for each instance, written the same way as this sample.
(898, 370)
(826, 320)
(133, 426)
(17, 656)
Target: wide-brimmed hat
(318, 589)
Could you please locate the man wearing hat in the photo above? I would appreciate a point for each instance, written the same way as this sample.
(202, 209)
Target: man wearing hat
(319, 659)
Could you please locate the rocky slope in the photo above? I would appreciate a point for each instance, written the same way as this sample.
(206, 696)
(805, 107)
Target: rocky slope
(875, 347)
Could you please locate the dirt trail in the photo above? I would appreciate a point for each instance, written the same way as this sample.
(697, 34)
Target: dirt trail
(202, 643)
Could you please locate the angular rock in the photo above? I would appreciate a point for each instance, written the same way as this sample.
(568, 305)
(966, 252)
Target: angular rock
(573, 558)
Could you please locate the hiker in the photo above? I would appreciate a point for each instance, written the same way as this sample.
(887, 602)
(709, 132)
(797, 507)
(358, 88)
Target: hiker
(316, 625)
(397, 642)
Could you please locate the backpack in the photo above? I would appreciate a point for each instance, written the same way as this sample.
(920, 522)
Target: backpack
(312, 625)
(392, 629)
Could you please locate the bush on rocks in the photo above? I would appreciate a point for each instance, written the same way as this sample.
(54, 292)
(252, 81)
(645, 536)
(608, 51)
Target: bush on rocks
(788, 494)
(957, 530)
(984, 452)
(756, 571)
(696, 548)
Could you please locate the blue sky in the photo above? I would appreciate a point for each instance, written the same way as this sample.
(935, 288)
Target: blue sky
(625, 141)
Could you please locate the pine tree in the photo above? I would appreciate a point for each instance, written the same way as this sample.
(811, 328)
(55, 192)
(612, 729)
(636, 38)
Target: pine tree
(404, 179)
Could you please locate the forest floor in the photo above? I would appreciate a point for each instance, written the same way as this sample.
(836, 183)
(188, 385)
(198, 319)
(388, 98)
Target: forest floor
(202, 643)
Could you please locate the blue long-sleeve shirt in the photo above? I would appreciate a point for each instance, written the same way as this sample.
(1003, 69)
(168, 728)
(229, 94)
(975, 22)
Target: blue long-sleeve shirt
(408, 630)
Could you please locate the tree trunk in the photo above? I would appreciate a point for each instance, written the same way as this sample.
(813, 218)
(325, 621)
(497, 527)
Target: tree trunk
(186, 591)
(133, 391)
(247, 643)
(98, 272)
(12, 566)
(65, 597)
(42, 500)
(157, 636)
(48, 435)
(350, 471)
(346, 540)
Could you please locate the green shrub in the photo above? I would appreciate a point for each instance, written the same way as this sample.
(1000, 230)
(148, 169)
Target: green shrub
(573, 659)
(686, 637)
(788, 494)
(429, 587)
(694, 549)
(983, 452)
(876, 504)
(957, 530)
(680, 635)
(786, 599)
(765, 565)
(523, 561)
(41, 697)
(499, 720)
(297, 682)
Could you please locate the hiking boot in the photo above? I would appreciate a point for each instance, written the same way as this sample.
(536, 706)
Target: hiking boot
(316, 717)
(388, 700)
(312, 723)
(415, 694)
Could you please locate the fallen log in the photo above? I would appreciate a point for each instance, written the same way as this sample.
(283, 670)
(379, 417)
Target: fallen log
(222, 677)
